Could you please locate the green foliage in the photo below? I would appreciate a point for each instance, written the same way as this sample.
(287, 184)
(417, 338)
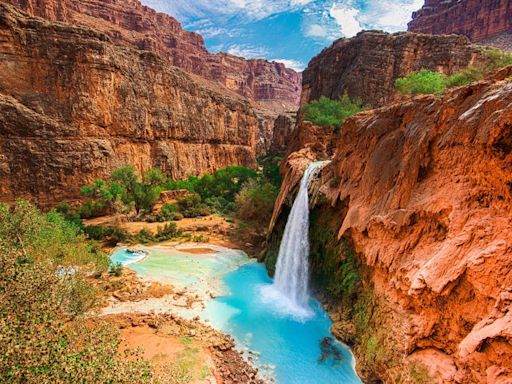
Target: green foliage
(92, 209)
(169, 212)
(43, 296)
(255, 202)
(167, 232)
(24, 228)
(271, 170)
(111, 235)
(69, 214)
(116, 269)
(193, 206)
(144, 236)
(326, 112)
(497, 58)
(422, 82)
(465, 77)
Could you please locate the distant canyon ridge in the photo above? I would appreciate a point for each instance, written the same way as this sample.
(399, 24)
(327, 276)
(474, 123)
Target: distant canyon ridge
(485, 21)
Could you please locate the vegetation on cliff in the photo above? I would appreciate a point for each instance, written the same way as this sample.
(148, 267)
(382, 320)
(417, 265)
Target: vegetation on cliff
(326, 112)
(431, 82)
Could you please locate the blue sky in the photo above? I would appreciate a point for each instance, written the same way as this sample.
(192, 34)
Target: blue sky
(290, 31)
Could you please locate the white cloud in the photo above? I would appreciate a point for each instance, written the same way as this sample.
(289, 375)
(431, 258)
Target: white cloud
(315, 30)
(296, 65)
(247, 51)
(346, 17)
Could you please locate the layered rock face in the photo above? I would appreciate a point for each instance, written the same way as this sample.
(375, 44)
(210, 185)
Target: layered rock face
(487, 20)
(129, 23)
(424, 195)
(366, 66)
(73, 106)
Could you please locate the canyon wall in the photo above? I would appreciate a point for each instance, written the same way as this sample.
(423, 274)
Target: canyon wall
(128, 22)
(365, 67)
(418, 199)
(73, 106)
(480, 20)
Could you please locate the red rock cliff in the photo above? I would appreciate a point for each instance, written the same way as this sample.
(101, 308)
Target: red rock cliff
(480, 20)
(423, 192)
(128, 22)
(366, 66)
(73, 106)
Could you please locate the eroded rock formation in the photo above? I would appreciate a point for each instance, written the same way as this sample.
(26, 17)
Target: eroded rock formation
(73, 106)
(366, 66)
(422, 192)
(129, 23)
(487, 20)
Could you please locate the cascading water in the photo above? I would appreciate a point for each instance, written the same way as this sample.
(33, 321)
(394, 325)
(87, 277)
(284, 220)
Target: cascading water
(292, 269)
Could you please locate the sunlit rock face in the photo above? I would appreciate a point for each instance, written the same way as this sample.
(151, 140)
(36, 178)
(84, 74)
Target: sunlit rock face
(488, 20)
(426, 197)
(366, 66)
(129, 23)
(74, 106)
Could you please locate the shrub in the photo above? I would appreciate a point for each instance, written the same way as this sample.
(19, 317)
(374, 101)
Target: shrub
(192, 206)
(497, 58)
(422, 82)
(465, 77)
(111, 235)
(69, 214)
(255, 202)
(326, 112)
(169, 212)
(116, 269)
(144, 236)
(92, 209)
(167, 232)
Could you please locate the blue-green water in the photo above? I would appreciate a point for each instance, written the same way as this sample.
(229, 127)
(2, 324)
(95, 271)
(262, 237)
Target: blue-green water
(285, 345)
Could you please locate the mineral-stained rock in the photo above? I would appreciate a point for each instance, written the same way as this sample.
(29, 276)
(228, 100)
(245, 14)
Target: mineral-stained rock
(427, 189)
(480, 20)
(73, 106)
(366, 66)
(129, 23)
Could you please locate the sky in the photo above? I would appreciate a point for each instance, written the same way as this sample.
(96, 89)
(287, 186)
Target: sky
(288, 31)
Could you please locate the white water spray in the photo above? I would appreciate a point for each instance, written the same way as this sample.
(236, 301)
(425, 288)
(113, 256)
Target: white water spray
(292, 271)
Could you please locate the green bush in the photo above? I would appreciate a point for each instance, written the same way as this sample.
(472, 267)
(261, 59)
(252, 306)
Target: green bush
(167, 232)
(144, 236)
(422, 82)
(465, 77)
(255, 202)
(497, 58)
(326, 112)
(192, 206)
(169, 212)
(111, 235)
(116, 269)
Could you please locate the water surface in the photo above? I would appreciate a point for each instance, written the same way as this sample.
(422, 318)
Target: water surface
(285, 346)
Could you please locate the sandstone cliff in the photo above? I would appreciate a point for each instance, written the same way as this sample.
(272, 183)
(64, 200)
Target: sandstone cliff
(487, 20)
(366, 66)
(421, 193)
(73, 106)
(128, 22)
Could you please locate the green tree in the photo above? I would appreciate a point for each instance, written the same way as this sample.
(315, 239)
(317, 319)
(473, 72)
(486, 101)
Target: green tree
(326, 112)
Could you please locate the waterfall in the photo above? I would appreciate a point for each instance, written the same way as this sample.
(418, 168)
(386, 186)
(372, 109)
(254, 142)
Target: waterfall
(292, 269)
